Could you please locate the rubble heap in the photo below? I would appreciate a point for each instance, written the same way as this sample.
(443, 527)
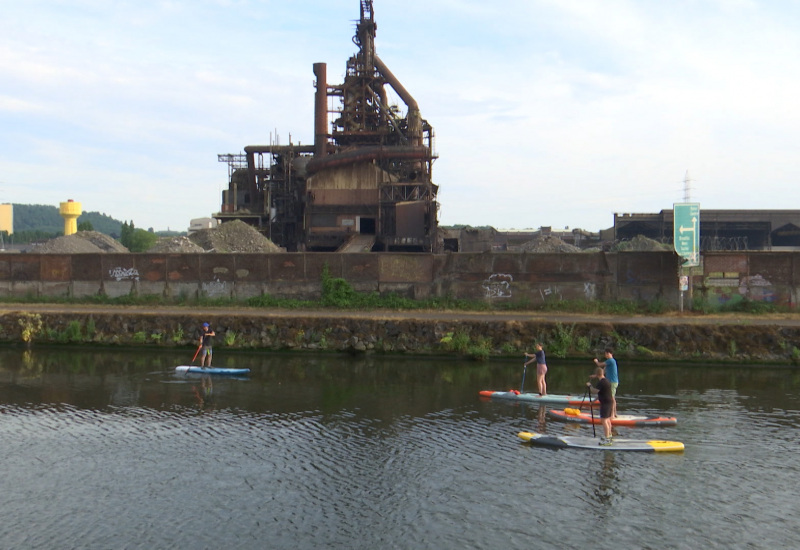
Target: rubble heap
(175, 245)
(82, 242)
(548, 243)
(234, 236)
(640, 243)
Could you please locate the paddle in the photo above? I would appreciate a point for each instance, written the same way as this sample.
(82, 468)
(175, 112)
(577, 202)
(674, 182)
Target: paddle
(195, 353)
(524, 370)
(591, 410)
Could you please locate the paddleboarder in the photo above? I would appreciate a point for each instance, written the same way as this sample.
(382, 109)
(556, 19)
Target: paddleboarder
(612, 373)
(206, 340)
(541, 368)
(607, 402)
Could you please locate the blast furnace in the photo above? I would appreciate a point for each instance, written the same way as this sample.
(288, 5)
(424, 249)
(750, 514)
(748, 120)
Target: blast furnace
(365, 184)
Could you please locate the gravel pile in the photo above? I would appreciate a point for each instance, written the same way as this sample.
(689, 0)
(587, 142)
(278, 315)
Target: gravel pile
(82, 242)
(234, 236)
(640, 243)
(173, 245)
(548, 243)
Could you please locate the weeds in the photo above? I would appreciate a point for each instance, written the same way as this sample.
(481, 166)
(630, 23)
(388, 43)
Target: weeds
(31, 325)
(480, 349)
(565, 340)
(623, 343)
(73, 332)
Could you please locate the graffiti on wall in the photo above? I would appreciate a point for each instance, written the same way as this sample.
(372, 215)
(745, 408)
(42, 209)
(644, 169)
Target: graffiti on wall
(550, 292)
(732, 287)
(498, 285)
(757, 288)
(124, 274)
(590, 291)
(215, 288)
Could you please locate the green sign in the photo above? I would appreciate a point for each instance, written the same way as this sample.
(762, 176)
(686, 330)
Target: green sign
(686, 233)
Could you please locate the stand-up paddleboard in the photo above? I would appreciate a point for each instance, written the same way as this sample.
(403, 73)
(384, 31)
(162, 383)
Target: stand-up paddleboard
(192, 369)
(584, 442)
(583, 417)
(575, 400)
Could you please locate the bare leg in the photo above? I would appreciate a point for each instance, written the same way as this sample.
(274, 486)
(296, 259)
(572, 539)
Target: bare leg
(607, 427)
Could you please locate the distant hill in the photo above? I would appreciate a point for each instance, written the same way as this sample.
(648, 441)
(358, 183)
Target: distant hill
(41, 221)
(45, 218)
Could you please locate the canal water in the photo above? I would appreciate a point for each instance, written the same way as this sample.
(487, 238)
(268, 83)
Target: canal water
(109, 449)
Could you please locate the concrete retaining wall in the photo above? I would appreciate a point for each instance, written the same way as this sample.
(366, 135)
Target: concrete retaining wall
(492, 276)
(528, 277)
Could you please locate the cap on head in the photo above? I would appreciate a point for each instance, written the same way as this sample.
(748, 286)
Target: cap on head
(205, 325)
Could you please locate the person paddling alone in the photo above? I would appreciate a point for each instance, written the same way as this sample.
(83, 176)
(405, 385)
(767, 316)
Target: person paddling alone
(541, 368)
(607, 402)
(206, 341)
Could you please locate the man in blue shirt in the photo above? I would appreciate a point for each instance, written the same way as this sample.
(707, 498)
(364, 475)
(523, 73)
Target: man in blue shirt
(612, 375)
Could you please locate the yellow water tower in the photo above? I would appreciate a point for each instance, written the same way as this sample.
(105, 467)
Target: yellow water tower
(7, 218)
(70, 211)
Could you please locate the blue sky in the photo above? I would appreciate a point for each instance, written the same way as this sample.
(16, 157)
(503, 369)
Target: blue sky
(546, 112)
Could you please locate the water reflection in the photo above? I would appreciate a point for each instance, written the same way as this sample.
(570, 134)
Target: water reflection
(375, 452)
(607, 486)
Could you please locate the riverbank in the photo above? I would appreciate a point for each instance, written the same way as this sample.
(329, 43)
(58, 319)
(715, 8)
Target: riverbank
(769, 339)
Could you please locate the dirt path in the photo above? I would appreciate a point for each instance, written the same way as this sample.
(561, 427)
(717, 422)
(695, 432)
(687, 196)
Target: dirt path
(566, 318)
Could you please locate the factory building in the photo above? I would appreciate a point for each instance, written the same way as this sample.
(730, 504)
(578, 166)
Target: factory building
(720, 230)
(366, 182)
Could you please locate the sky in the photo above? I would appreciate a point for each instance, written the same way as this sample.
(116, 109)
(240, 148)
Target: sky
(546, 113)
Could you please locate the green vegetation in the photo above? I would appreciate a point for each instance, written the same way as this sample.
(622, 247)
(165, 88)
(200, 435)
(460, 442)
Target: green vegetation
(461, 342)
(565, 340)
(136, 240)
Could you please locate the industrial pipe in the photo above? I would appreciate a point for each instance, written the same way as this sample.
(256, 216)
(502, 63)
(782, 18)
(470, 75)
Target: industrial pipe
(414, 116)
(364, 154)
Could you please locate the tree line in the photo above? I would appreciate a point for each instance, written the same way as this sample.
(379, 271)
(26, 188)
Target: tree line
(41, 222)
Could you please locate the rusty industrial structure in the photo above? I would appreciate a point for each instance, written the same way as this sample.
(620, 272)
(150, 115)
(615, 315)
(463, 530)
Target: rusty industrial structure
(720, 230)
(365, 184)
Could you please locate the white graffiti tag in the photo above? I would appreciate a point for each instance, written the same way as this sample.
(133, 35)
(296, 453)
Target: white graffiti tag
(124, 273)
(551, 292)
(215, 288)
(498, 285)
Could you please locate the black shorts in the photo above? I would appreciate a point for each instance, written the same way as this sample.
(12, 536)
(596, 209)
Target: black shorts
(605, 410)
